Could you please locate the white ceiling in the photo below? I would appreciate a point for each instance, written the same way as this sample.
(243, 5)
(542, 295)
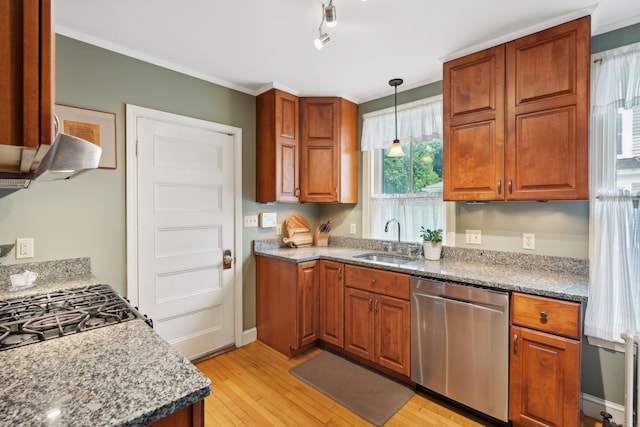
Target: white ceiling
(253, 45)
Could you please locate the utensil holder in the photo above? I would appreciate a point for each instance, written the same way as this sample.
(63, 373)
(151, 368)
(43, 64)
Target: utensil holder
(321, 239)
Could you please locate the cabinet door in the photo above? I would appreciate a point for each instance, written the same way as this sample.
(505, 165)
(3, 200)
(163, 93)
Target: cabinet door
(544, 379)
(26, 83)
(320, 154)
(332, 302)
(358, 323)
(277, 147)
(548, 113)
(392, 348)
(276, 304)
(473, 107)
(308, 295)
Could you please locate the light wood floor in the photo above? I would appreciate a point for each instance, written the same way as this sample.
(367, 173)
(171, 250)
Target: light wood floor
(251, 386)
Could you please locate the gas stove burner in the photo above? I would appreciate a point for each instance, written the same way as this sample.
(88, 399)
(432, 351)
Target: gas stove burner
(56, 314)
(93, 322)
(14, 340)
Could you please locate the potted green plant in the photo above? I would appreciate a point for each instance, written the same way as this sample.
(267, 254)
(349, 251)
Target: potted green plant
(432, 243)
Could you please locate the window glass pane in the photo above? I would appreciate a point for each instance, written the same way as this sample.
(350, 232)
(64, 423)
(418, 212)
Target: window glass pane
(395, 172)
(628, 162)
(427, 166)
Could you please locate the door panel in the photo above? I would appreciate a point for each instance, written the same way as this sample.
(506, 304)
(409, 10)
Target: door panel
(393, 333)
(358, 323)
(185, 220)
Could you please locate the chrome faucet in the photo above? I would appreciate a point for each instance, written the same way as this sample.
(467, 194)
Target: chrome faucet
(386, 227)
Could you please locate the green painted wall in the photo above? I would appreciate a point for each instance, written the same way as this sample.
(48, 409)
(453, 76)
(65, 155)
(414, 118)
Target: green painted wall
(85, 216)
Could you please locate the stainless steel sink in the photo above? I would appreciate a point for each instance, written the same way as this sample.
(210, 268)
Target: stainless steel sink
(385, 259)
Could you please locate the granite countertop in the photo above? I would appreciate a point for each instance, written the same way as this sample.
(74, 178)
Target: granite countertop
(553, 277)
(118, 375)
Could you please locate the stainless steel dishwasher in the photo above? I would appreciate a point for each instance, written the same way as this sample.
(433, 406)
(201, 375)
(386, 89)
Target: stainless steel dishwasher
(460, 344)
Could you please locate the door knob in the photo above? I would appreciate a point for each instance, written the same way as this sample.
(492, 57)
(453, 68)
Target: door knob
(227, 259)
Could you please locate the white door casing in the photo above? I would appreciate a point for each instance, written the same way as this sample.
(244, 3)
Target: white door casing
(183, 208)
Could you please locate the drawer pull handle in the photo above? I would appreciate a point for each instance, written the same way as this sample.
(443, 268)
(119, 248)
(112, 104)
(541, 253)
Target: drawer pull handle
(515, 344)
(543, 317)
(373, 282)
(339, 273)
(499, 186)
(370, 304)
(375, 306)
(510, 187)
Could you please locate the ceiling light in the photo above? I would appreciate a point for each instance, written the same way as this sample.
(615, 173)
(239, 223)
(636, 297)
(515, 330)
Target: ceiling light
(396, 148)
(321, 40)
(330, 16)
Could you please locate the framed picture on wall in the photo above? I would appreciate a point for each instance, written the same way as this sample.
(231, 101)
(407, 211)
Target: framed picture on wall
(97, 127)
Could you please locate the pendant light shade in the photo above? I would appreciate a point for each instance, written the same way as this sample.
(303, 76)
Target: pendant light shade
(396, 148)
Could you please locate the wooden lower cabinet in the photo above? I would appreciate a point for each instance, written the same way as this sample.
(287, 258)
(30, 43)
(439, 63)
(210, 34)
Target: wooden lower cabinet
(377, 329)
(191, 416)
(287, 310)
(544, 377)
(332, 302)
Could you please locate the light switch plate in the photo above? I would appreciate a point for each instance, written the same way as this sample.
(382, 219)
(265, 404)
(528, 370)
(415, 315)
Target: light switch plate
(473, 237)
(250, 221)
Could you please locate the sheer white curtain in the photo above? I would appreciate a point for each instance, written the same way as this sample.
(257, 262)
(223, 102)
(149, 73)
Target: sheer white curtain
(417, 121)
(614, 291)
(411, 212)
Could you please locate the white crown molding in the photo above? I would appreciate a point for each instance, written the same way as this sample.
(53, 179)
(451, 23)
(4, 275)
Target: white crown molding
(617, 25)
(521, 33)
(95, 41)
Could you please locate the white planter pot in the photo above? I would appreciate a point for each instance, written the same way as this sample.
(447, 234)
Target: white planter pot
(432, 250)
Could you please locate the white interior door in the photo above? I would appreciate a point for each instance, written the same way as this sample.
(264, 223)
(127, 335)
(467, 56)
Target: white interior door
(185, 220)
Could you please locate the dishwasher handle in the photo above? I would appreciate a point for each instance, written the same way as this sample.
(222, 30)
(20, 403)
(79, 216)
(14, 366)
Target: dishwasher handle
(471, 303)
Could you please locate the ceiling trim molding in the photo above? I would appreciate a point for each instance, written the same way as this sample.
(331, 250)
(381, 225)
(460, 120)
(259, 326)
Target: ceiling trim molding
(617, 25)
(113, 47)
(561, 19)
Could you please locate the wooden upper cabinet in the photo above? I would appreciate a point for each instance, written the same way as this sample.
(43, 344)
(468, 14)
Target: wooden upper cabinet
(516, 118)
(548, 109)
(277, 147)
(26, 83)
(329, 150)
(473, 106)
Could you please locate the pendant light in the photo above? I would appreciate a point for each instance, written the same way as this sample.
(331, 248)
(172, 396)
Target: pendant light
(396, 148)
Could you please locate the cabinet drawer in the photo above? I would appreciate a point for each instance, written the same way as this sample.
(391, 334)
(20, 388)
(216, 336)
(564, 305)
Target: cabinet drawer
(547, 314)
(379, 281)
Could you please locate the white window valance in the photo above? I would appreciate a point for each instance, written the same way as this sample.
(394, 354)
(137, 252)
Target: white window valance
(417, 121)
(616, 79)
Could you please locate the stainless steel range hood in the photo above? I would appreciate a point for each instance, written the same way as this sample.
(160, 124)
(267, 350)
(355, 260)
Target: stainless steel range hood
(67, 157)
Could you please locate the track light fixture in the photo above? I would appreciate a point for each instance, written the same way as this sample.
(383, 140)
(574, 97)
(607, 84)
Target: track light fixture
(396, 148)
(323, 38)
(329, 17)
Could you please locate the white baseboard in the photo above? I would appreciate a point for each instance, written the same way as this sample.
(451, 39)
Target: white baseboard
(591, 407)
(249, 336)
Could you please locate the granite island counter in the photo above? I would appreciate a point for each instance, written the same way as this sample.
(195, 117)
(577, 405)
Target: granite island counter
(121, 374)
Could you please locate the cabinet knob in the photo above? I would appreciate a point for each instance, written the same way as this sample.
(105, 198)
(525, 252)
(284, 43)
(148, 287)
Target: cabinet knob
(373, 282)
(370, 304)
(543, 317)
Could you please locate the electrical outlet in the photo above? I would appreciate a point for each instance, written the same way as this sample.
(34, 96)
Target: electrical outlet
(250, 221)
(528, 241)
(473, 237)
(352, 229)
(279, 229)
(25, 248)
